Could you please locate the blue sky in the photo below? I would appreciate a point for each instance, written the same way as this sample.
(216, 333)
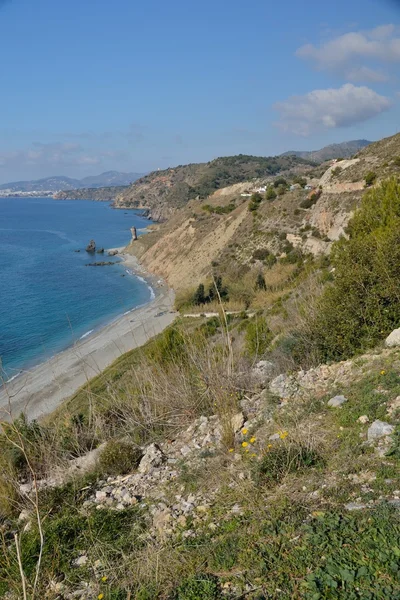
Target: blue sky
(134, 86)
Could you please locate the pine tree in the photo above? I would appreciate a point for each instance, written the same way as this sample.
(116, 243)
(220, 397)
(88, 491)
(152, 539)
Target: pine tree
(199, 295)
(260, 282)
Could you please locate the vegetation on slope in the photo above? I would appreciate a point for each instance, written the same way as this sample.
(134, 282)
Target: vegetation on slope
(164, 191)
(101, 194)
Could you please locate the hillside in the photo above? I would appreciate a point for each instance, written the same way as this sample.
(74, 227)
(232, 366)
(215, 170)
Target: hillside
(342, 150)
(100, 194)
(164, 192)
(222, 230)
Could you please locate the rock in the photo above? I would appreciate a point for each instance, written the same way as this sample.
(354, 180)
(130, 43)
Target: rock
(153, 457)
(161, 519)
(101, 496)
(379, 429)
(283, 386)
(100, 251)
(393, 339)
(363, 419)
(355, 506)
(393, 406)
(337, 401)
(112, 252)
(274, 436)
(81, 561)
(134, 234)
(24, 515)
(91, 247)
(101, 264)
(76, 250)
(237, 422)
(263, 370)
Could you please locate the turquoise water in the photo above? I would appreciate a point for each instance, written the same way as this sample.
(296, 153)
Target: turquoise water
(48, 298)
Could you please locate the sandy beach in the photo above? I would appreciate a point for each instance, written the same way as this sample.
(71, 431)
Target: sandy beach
(40, 390)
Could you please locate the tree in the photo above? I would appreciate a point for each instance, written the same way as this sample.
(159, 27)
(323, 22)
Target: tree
(280, 181)
(281, 190)
(199, 295)
(260, 282)
(362, 305)
(301, 181)
(270, 194)
(370, 178)
(255, 201)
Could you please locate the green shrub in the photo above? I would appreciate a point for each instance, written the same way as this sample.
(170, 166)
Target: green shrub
(261, 253)
(255, 202)
(362, 305)
(336, 171)
(258, 336)
(270, 194)
(260, 282)
(270, 260)
(168, 347)
(284, 458)
(199, 296)
(370, 178)
(119, 457)
(199, 587)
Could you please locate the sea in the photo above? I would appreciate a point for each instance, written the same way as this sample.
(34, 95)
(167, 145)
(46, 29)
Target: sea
(49, 298)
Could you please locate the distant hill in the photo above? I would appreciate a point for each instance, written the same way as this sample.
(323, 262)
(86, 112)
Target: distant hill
(164, 192)
(60, 183)
(343, 150)
(100, 194)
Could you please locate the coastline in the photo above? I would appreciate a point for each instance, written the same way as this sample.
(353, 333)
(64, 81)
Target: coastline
(43, 388)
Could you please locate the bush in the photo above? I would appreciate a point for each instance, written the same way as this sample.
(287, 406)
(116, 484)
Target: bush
(284, 458)
(258, 337)
(370, 178)
(260, 282)
(119, 457)
(199, 587)
(199, 296)
(280, 181)
(261, 253)
(301, 181)
(362, 305)
(270, 194)
(270, 260)
(255, 202)
(336, 171)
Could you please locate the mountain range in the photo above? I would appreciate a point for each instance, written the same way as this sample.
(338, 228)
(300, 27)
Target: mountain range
(342, 150)
(60, 183)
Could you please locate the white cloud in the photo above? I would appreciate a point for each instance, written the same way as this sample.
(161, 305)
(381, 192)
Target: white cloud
(53, 155)
(330, 108)
(347, 53)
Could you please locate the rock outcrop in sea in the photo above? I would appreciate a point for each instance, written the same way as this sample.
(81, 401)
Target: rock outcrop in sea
(91, 247)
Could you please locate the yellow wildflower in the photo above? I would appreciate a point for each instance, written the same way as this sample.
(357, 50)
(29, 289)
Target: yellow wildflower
(383, 372)
(269, 446)
(104, 578)
(244, 431)
(231, 450)
(283, 435)
(253, 455)
(252, 440)
(246, 450)
(100, 597)
(245, 444)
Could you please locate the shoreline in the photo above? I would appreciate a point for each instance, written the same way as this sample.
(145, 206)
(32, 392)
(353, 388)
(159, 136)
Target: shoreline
(43, 388)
